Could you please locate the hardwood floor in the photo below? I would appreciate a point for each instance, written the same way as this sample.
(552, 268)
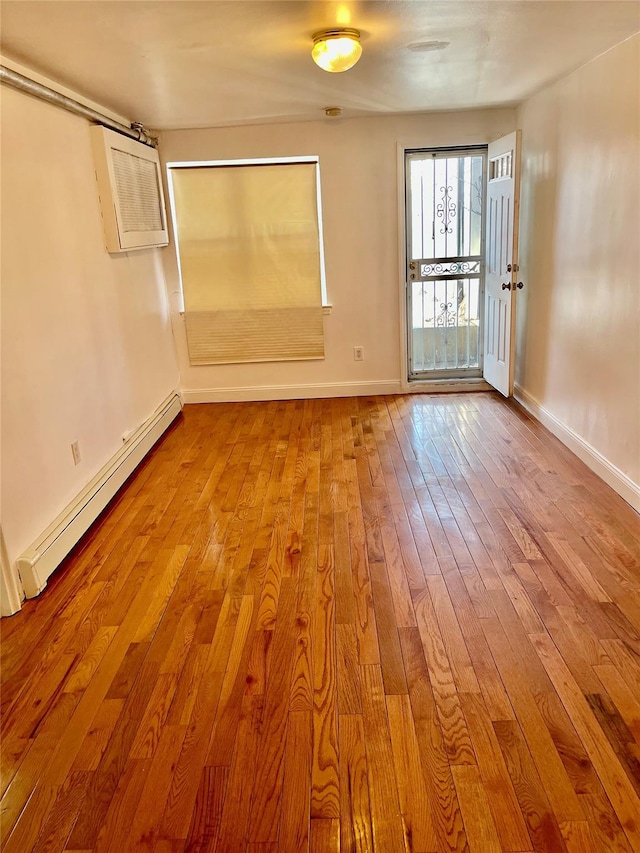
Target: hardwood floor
(375, 624)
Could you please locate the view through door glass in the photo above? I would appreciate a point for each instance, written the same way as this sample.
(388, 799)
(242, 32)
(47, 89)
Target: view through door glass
(445, 268)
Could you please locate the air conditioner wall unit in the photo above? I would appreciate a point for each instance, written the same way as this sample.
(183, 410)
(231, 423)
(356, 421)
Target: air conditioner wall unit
(130, 189)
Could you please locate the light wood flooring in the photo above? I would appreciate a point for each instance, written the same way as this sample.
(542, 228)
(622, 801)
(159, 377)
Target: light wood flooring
(377, 624)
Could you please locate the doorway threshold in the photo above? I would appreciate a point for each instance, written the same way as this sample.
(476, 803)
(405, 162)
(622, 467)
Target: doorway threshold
(446, 386)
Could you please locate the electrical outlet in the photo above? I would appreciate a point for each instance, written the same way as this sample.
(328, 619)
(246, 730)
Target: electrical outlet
(75, 452)
(358, 354)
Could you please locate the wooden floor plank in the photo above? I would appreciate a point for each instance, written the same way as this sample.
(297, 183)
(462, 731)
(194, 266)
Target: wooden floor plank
(577, 837)
(412, 791)
(386, 822)
(620, 791)
(534, 805)
(355, 807)
(144, 827)
(237, 803)
(403, 624)
(296, 793)
(507, 815)
(388, 642)
(596, 807)
(265, 808)
(325, 784)
(478, 822)
(522, 691)
(325, 836)
(447, 699)
(445, 807)
(186, 777)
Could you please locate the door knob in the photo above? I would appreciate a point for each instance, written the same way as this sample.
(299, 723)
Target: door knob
(520, 285)
(506, 285)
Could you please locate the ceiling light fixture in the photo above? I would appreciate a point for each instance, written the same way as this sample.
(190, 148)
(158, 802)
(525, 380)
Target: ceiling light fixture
(336, 50)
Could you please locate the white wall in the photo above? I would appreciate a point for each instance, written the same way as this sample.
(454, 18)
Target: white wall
(578, 319)
(359, 180)
(87, 349)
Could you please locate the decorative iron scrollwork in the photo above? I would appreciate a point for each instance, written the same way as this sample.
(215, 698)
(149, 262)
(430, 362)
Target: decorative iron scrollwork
(446, 210)
(447, 316)
(450, 268)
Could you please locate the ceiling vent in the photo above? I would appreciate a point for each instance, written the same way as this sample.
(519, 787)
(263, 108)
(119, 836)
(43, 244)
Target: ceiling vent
(130, 188)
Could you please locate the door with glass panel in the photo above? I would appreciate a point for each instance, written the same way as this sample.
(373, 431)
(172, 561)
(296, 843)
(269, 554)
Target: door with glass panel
(445, 191)
(501, 251)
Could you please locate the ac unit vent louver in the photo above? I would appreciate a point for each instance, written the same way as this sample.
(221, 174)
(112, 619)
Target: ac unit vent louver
(138, 192)
(130, 187)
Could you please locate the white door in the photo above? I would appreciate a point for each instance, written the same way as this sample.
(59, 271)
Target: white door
(501, 259)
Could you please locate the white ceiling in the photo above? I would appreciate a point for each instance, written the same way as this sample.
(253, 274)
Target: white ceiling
(180, 63)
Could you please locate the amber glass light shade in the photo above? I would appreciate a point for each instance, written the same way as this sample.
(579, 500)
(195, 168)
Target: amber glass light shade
(336, 50)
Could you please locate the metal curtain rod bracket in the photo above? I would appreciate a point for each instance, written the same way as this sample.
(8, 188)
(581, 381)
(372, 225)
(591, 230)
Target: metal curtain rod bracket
(24, 84)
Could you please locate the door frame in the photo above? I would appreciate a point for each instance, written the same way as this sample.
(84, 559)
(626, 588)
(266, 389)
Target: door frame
(11, 591)
(440, 386)
(447, 152)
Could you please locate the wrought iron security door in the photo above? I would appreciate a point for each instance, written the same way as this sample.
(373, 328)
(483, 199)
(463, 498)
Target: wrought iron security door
(445, 264)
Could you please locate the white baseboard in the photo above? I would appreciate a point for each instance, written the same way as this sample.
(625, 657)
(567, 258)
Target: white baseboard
(291, 392)
(600, 465)
(47, 552)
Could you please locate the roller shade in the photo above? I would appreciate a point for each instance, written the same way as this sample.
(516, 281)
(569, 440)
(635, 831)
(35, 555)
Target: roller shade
(249, 255)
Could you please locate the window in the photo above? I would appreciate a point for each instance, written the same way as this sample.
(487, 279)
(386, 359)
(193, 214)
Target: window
(249, 246)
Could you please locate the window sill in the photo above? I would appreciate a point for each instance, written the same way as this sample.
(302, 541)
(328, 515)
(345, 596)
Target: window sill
(326, 309)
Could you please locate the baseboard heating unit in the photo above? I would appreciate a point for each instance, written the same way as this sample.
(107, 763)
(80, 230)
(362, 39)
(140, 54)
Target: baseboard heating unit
(47, 552)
